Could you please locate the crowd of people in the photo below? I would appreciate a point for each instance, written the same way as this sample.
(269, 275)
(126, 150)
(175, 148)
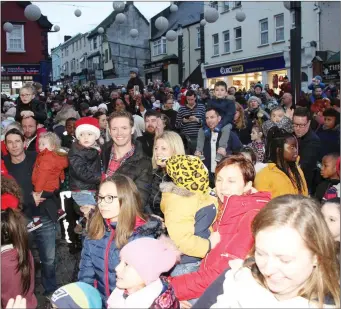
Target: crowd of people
(177, 197)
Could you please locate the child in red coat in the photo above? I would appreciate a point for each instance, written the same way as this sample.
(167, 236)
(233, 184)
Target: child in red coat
(48, 171)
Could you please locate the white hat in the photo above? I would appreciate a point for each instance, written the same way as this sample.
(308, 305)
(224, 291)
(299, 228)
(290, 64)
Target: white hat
(103, 105)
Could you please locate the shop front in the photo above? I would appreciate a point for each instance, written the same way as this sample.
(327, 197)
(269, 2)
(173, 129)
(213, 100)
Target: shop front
(247, 73)
(165, 69)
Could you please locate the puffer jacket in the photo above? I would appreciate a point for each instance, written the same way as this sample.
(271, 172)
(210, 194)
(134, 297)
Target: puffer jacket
(84, 168)
(234, 227)
(138, 167)
(100, 257)
(188, 218)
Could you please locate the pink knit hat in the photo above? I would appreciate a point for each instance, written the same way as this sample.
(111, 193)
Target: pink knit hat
(150, 257)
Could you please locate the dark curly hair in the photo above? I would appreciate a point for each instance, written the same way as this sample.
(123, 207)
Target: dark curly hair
(10, 186)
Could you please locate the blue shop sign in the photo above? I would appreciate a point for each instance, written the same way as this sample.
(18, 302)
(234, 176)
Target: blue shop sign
(247, 67)
(20, 69)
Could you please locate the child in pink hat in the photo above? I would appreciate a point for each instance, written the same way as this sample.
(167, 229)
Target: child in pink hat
(139, 283)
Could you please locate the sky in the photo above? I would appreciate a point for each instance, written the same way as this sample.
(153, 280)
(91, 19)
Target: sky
(93, 13)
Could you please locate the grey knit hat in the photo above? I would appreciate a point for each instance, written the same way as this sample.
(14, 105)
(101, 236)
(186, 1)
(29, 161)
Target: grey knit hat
(134, 70)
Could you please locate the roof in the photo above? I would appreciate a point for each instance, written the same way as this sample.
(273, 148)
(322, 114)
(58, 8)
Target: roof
(42, 21)
(72, 39)
(187, 14)
(111, 18)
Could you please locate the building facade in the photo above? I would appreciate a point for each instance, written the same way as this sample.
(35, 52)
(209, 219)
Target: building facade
(24, 52)
(258, 48)
(56, 55)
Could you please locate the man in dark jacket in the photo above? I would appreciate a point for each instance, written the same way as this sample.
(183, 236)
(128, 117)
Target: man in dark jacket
(135, 80)
(121, 155)
(309, 145)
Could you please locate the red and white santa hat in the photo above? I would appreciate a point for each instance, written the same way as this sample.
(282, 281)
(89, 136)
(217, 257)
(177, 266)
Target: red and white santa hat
(87, 124)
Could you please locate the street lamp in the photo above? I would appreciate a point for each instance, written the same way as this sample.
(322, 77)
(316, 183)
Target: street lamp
(180, 48)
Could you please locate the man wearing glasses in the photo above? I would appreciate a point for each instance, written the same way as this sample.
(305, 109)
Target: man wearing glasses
(309, 144)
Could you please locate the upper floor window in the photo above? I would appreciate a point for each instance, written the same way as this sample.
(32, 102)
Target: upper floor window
(95, 43)
(238, 38)
(237, 4)
(226, 6)
(226, 35)
(160, 47)
(279, 27)
(198, 38)
(264, 31)
(106, 54)
(15, 40)
(214, 4)
(85, 41)
(215, 39)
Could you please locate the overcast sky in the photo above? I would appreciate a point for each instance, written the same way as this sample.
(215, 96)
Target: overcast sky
(62, 14)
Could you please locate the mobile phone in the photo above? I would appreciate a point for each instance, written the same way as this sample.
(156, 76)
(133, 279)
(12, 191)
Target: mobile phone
(187, 117)
(136, 90)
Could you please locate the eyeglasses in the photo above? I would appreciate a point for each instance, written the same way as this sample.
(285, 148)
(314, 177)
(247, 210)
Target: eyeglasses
(108, 199)
(299, 125)
(25, 95)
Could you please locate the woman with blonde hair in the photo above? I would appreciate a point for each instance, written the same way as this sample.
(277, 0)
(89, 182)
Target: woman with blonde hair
(292, 263)
(241, 125)
(117, 220)
(165, 145)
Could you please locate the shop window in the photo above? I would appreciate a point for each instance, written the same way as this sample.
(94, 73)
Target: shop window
(226, 35)
(226, 6)
(4, 78)
(198, 38)
(279, 28)
(28, 78)
(215, 39)
(264, 31)
(15, 39)
(238, 38)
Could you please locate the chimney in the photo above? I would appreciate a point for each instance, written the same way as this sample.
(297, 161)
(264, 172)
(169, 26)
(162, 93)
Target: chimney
(67, 37)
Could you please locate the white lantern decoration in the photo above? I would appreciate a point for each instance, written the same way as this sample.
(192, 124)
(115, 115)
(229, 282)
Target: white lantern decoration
(211, 15)
(7, 27)
(100, 30)
(120, 18)
(134, 33)
(32, 12)
(171, 35)
(203, 22)
(78, 12)
(286, 4)
(118, 6)
(173, 8)
(161, 23)
(56, 28)
(240, 16)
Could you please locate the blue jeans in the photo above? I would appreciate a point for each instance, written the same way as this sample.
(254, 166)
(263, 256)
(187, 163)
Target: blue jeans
(45, 238)
(84, 197)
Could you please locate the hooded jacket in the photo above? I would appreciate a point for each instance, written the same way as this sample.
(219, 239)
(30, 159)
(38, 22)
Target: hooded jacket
(100, 257)
(234, 227)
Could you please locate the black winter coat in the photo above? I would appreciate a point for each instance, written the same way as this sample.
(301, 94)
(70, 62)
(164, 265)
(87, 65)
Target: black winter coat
(138, 167)
(136, 81)
(84, 167)
(38, 108)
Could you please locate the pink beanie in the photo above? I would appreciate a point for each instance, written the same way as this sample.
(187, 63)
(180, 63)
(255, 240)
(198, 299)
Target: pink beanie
(150, 257)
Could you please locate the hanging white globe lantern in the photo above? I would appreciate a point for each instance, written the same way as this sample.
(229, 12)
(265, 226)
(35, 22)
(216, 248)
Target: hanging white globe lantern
(240, 16)
(118, 6)
(7, 27)
(173, 8)
(211, 15)
(171, 35)
(56, 28)
(100, 30)
(120, 18)
(161, 23)
(134, 33)
(286, 4)
(78, 12)
(203, 22)
(32, 12)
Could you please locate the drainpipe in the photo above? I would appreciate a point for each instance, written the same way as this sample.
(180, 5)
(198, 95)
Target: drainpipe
(318, 17)
(189, 52)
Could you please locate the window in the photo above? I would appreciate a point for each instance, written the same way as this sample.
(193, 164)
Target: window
(226, 6)
(110, 56)
(215, 39)
(84, 42)
(160, 47)
(28, 77)
(279, 28)
(264, 31)
(238, 37)
(106, 56)
(77, 64)
(198, 38)
(214, 4)
(66, 51)
(237, 4)
(15, 39)
(95, 43)
(73, 47)
(226, 35)
(292, 15)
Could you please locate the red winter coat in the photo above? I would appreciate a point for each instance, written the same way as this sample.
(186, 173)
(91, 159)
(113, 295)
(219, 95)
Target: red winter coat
(236, 241)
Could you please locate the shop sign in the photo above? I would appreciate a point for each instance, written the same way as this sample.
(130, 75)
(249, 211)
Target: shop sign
(247, 67)
(20, 70)
(82, 77)
(16, 85)
(331, 71)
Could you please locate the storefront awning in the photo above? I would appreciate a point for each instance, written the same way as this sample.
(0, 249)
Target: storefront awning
(153, 70)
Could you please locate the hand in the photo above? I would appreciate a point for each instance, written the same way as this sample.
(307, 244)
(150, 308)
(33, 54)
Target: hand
(185, 120)
(193, 119)
(39, 126)
(18, 303)
(185, 304)
(86, 210)
(214, 239)
(26, 114)
(37, 198)
(222, 151)
(197, 153)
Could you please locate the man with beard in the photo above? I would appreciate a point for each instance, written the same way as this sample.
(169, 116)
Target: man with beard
(147, 139)
(317, 94)
(121, 155)
(31, 133)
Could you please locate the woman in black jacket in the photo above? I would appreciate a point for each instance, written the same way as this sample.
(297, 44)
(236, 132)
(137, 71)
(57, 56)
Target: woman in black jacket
(242, 125)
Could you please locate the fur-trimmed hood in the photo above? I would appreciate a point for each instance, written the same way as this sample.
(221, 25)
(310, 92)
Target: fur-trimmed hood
(170, 187)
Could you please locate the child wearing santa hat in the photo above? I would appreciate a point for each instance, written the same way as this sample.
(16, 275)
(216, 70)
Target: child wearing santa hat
(138, 281)
(85, 165)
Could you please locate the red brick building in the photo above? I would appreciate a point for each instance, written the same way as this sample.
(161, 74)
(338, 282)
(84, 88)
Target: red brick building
(24, 51)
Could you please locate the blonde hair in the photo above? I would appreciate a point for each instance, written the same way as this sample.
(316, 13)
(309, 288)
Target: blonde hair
(53, 139)
(304, 215)
(130, 208)
(173, 140)
(28, 87)
(240, 123)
